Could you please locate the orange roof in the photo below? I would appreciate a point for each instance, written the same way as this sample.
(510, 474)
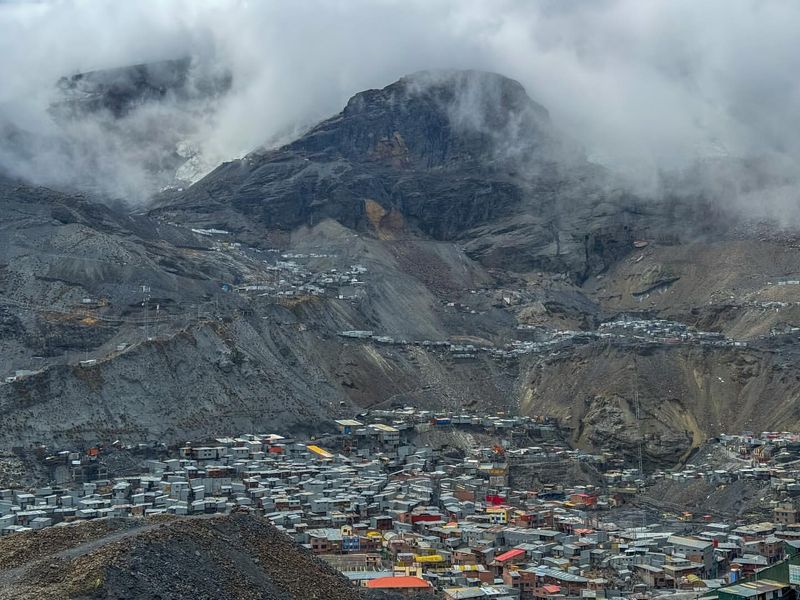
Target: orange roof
(509, 555)
(398, 582)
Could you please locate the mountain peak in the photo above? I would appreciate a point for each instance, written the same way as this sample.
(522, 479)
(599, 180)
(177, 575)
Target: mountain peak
(436, 118)
(493, 95)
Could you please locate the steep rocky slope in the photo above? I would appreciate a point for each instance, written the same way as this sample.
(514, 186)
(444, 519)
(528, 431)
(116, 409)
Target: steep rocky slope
(455, 155)
(196, 359)
(446, 215)
(685, 395)
(735, 286)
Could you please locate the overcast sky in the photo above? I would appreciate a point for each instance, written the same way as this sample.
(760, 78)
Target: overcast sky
(639, 83)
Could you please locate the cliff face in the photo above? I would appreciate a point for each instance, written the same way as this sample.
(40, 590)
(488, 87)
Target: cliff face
(411, 147)
(684, 396)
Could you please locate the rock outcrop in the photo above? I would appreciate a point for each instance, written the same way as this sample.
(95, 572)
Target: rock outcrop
(461, 156)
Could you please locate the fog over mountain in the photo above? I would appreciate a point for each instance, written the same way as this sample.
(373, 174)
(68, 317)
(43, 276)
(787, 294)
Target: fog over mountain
(221, 217)
(642, 87)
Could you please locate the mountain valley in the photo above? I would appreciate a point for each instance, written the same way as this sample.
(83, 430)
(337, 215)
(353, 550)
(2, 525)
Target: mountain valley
(472, 253)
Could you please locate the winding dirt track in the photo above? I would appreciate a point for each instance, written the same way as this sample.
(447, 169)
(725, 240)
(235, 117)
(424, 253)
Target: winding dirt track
(10, 577)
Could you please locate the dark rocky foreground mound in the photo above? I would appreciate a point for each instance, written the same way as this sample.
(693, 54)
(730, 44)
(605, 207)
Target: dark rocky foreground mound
(236, 557)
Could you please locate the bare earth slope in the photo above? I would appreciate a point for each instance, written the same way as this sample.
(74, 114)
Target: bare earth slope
(238, 556)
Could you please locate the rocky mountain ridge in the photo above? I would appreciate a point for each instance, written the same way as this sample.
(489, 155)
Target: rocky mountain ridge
(446, 215)
(456, 156)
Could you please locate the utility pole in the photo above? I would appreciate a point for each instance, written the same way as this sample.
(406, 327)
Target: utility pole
(145, 302)
(639, 428)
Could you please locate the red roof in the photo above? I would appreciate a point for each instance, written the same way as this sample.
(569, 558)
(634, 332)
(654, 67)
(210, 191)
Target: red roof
(551, 589)
(398, 582)
(509, 555)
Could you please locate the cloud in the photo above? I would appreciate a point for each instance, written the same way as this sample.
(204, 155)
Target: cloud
(643, 86)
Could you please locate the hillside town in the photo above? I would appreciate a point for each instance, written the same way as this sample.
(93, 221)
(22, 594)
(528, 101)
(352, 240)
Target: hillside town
(538, 340)
(393, 503)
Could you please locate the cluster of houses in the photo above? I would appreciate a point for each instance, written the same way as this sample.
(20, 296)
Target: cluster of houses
(765, 447)
(395, 515)
(292, 274)
(476, 537)
(661, 330)
(623, 330)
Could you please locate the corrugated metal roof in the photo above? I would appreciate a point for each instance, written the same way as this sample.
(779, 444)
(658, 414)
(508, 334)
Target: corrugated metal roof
(688, 542)
(557, 574)
(753, 588)
(403, 582)
(514, 553)
(385, 428)
(319, 451)
(365, 575)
